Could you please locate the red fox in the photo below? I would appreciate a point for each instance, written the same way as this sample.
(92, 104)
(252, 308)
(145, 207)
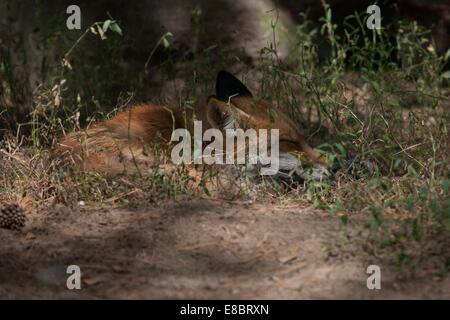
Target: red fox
(119, 144)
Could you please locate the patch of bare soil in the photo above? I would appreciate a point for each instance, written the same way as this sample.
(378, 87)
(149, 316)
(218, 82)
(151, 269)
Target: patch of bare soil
(192, 248)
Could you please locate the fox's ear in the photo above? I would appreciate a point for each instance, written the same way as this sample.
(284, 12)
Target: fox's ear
(223, 115)
(220, 114)
(228, 85)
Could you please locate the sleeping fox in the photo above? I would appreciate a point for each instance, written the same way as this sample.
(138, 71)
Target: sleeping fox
(123, 142)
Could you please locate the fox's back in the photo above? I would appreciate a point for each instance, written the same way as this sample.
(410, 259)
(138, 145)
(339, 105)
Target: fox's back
(109, 145)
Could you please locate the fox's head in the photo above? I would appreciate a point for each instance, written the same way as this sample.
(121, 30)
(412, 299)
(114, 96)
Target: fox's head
(234, 107)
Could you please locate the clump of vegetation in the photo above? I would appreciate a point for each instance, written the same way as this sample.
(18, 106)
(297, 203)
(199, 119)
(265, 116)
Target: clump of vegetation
(377, 104)
(384, 102)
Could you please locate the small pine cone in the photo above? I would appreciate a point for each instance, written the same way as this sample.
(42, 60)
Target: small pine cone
(12, 217)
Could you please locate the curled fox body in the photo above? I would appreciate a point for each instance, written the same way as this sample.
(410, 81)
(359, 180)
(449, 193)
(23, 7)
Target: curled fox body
(125, 141)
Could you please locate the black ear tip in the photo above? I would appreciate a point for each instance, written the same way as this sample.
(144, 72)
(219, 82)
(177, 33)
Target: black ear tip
(228, 85)
(223, 75)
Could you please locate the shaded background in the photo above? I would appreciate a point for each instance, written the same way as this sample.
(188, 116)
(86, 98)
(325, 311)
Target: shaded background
(221, 33)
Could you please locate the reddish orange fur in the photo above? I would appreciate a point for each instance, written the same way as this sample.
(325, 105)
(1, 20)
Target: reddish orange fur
(117, 144)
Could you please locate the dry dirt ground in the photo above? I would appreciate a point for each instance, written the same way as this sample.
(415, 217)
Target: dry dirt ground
(192, 248)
